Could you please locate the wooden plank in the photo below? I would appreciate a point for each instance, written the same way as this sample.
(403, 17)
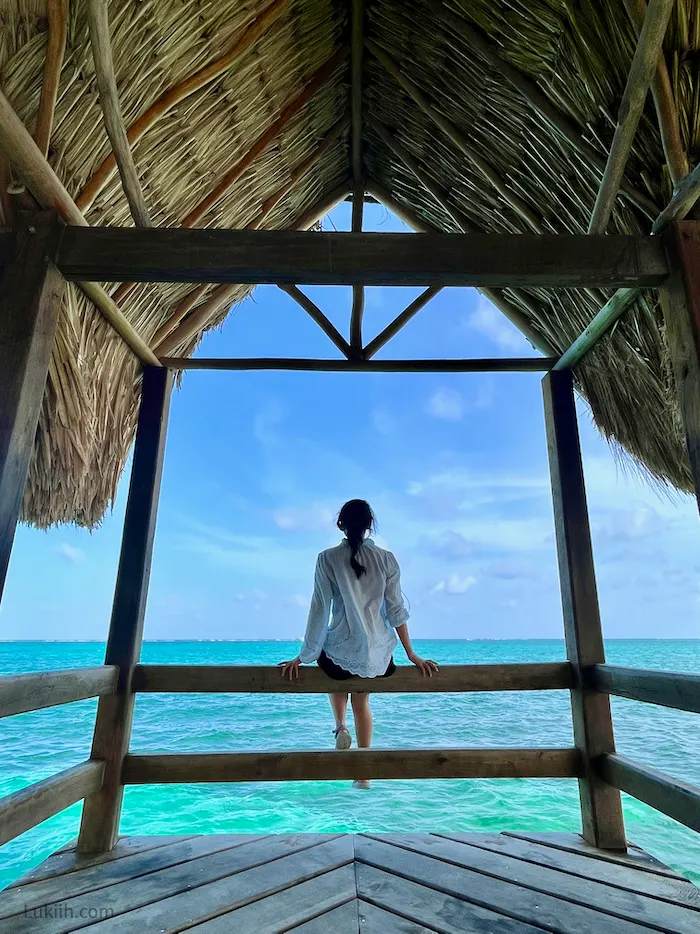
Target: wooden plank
(519, 904)
(680, 301)
(100, 823)
(681, 691)
(171, 254)
(489, 365)
(273, 865)
(252, 679)
(574, 843)
(64, 886)
(601, 807)
(21, 693)
(37, 802)
(677, 799)
(433, 907)
(630, 876)
(331, 765)
(30, 302)
(374, 920)
(292, 906)
(619, 903)
(341, 920)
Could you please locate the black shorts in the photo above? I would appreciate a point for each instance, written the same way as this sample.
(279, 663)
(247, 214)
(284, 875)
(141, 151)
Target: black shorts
(340, 674)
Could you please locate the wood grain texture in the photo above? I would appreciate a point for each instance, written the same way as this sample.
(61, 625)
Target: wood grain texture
(30, 301)
(171, 254)
(325, 765)
(21, 693)
(30, 806)
(100, 821)
(665, 688)
(601, 807)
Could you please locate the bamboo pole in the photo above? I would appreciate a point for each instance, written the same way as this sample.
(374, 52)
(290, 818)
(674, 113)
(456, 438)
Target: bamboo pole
(98, 24)
(666, 111)
(644, 65)
(400, 320)
(318, 79)
(191, 325)
(179, 92)
(456, 136)
(55, 52)
(318, 316)
(24, 154)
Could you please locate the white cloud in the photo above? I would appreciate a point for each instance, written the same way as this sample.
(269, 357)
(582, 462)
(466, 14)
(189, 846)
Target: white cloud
(492, 323)
(74, 555)
(446, 404)
(383, 422)
(455, 585)
(315, 518)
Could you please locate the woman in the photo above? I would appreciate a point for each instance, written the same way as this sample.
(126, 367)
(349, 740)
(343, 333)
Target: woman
(357, 585)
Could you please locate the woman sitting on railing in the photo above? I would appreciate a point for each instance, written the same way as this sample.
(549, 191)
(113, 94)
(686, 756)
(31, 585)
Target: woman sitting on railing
(357, 585)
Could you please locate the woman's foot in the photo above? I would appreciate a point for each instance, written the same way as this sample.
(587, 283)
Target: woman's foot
(362, 784)
(343, 740)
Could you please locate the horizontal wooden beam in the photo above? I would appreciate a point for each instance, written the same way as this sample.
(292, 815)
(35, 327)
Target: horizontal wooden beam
(173, 254)
(357, 763)
(20, 693)
(253, 679)
(669, 795)
(665, 688)
(36, 803)
(487, 365)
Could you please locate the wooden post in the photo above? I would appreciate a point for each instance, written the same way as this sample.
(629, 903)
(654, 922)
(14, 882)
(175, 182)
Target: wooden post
(680, 300)
(100, 822)
(601, 808)
(30, 301)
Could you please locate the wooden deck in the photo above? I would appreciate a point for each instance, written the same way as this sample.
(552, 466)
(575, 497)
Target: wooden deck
(345, 884)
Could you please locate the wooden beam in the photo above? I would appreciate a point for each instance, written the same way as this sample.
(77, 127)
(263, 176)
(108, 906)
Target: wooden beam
(680, 302)
(644, 65)
(457, 137)
(247, 679)
(335, 766)
(682, 202)
(178, 92)
(611, 312)
(666, 688)
(171, 254)
(358, 188)
(20, 693)
(30, 302)
(58, 32)
(36, 803)
(487, 365)
(318, 316)
(98, 25)
(601, 808)
(392, 329)
(666, 111)
(297, 103)
(100, 823)
(672, 797)
(23, 153)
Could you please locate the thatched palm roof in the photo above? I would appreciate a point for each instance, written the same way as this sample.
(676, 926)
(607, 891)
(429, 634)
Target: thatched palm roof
(531, 89)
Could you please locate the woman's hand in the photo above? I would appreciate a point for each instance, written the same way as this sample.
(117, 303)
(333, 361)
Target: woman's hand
(291, 669)
(426, 666)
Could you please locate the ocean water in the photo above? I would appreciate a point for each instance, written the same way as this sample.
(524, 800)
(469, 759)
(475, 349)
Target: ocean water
(38, 744)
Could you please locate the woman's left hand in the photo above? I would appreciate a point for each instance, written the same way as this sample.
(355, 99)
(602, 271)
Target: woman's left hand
(426, 666)
(291, 669)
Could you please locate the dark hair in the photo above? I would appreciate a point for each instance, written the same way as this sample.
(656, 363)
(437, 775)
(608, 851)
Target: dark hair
(356, 518)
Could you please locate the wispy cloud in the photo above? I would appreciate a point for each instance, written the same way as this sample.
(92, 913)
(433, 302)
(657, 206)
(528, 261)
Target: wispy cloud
(314, 518)
(71, 554)
(447, 404)
(489, 321)
(455, 585)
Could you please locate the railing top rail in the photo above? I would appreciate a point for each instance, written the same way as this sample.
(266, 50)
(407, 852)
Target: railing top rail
(25, 692)
(678, 690)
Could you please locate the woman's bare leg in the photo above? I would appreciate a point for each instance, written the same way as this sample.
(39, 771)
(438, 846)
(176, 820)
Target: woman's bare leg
(339, 705)
(362, 713)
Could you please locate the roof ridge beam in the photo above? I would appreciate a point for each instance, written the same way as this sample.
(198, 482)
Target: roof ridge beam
(178, 92)
(98, 25)
(644, 66)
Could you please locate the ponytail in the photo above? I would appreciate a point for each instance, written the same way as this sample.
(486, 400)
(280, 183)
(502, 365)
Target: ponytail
(356, 518)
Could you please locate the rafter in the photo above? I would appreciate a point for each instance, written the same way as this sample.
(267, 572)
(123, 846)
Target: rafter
(98, 23)
(642, 70)
(456, 136)
(55, 51)
(24, 154)
(314, 84)
(178, 92)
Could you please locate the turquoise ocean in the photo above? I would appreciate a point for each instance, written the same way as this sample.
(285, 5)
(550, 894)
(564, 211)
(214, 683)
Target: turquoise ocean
(36, 745)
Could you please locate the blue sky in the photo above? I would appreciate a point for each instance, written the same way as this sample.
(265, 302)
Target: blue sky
(258, 464)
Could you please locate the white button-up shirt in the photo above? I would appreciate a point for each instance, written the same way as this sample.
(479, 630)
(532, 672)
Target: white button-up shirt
(363, 611)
